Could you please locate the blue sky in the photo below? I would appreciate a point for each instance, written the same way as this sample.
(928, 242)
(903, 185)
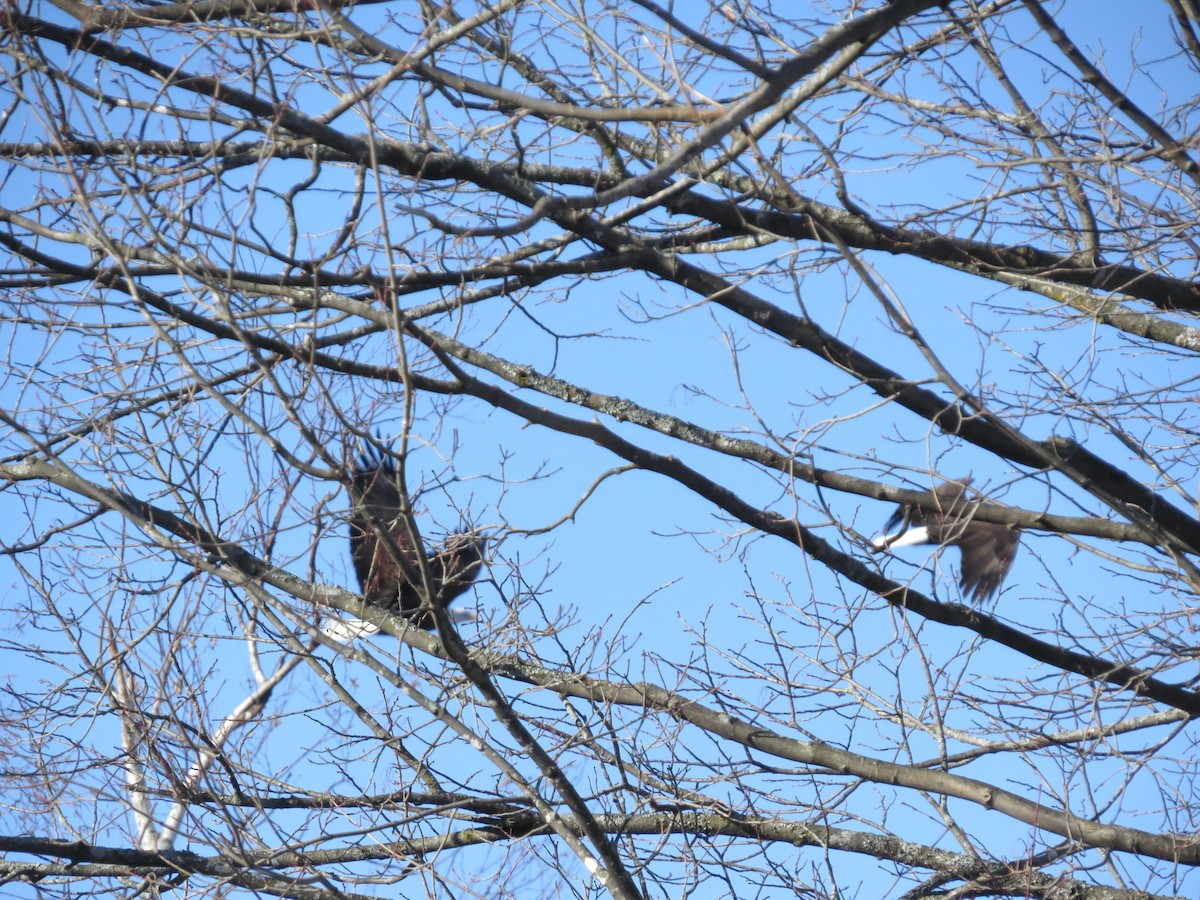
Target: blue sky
(644, 570)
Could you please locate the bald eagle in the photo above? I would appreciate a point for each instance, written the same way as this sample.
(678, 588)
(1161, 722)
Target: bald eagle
(987, 548)
(389, 571)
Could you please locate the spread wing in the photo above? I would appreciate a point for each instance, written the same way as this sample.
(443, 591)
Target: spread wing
(453, 568)
(988, 551)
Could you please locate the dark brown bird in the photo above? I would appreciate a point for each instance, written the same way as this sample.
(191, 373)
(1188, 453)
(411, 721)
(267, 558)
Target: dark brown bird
(389, 572)
(987, 549)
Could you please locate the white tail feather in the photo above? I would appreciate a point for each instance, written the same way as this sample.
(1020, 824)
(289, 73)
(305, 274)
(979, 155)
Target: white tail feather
(346, 630)
(918, 535)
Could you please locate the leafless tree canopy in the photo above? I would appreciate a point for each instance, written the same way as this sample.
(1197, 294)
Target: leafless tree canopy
(673, 303)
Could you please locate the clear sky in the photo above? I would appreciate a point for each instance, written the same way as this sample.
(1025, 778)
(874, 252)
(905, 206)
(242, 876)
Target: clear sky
(645, 569)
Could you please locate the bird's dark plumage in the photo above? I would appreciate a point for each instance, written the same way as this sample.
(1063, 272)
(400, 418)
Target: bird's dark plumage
(389, 572)
(987, 548)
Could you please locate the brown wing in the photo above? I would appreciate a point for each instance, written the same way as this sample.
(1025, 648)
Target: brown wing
(453, 568)
(376, 503)
(988, 551)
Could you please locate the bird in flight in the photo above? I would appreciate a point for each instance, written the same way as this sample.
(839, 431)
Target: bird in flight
(987, 548)
(386, 562)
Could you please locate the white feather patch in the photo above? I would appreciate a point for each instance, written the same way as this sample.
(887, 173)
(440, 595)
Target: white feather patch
(346, 630)
(919, 535)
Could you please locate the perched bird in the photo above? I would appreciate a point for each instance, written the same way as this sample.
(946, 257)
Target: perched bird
(389, 571)
(987, 549)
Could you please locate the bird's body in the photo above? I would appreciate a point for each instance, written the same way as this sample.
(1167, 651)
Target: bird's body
(987, 548)
(386, 562)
